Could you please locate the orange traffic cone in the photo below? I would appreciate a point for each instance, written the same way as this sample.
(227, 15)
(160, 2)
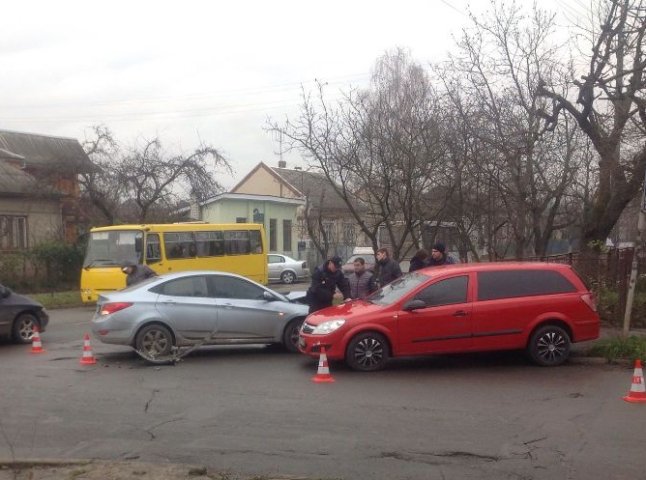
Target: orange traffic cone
(36, 345)
(323, 372)
(87, 358)
(637, 392)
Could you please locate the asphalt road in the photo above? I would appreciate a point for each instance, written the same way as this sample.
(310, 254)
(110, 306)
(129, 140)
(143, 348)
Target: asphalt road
(255, 411)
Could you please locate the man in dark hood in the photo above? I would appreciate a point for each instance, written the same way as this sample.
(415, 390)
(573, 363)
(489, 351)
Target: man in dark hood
(325, 280)
(136, 273)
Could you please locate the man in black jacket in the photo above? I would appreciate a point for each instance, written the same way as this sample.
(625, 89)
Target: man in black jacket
(136, 273)
(439, 256)
(325, 280)
(388, 268)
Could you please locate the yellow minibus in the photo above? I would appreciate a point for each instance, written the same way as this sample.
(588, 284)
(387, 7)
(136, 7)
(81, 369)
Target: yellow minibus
(230, 247)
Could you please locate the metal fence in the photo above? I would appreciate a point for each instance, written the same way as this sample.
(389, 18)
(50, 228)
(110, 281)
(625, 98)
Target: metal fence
(606, 273)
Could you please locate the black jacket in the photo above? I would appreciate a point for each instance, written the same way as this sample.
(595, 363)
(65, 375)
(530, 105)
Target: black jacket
(446, 260)
(417, 263)
(324, 284)
(388, 271)
(139, 273)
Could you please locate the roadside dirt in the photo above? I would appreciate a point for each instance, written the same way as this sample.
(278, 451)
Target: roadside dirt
(103, 470)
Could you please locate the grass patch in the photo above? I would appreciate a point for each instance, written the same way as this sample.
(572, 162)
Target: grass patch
(620, 348)
(71, 298)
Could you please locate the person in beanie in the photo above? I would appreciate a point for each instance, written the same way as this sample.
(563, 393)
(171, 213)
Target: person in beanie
(362, 281)
(388, 268)
(439, 256)
(325, 280)
(136, 273)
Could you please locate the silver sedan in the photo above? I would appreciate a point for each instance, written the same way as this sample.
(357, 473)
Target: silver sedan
(286, 269)
(188, 308)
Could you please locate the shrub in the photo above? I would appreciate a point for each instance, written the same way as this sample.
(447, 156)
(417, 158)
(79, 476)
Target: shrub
(61, 263)
(616, 348)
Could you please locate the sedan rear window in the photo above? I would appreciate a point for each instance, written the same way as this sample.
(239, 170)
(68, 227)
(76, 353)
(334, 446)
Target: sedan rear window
(520, 283)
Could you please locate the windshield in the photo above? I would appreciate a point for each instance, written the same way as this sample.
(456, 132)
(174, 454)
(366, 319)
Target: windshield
(110, 249)
(397, 289)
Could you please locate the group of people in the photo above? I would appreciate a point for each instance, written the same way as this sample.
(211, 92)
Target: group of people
(437, 257)
(328, 278)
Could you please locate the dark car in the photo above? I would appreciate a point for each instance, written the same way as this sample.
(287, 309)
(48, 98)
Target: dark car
(19, 315)
(540, 307)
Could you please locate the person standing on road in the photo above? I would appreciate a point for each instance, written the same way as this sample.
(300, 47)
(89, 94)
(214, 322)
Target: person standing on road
(362, 281)
(439, 256)
(136, 273)
(325, 281)
(388, 268)
(419, 260)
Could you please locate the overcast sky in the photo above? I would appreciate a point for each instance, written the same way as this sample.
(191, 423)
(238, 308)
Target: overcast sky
(202, 71)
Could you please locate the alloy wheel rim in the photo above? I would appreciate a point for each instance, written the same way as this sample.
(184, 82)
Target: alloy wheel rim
(369, 352)
(154, 342)
(551, 347)
(26, 329)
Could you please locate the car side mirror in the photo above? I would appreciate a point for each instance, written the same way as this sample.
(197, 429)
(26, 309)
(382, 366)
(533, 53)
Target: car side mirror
(411, 305)
(4, 291)
(268, 296)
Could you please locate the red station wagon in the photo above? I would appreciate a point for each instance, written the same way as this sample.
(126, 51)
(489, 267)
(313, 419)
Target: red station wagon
(540, 307)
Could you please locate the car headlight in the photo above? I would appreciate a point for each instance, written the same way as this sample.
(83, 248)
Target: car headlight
(328, 327)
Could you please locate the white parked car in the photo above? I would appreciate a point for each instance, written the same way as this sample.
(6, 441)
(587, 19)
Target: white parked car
(286, 269)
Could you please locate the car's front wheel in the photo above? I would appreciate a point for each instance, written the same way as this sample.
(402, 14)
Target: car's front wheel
(288, 277)
(154, 341)
(367, 352)
(290, 336)
(549, 346)
(23, 327)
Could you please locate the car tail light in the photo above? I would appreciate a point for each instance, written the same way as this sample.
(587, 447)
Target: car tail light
(590, 299)
(109, 308)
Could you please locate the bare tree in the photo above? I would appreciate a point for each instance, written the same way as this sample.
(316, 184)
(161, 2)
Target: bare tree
(377, 147)
(610, 109)
(500, 62)
(101, 185)
(152, 178)
(146, 183)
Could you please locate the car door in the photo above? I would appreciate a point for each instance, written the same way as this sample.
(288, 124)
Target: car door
(243, 311)
(445, 324)
(186, 305)
(275, 265)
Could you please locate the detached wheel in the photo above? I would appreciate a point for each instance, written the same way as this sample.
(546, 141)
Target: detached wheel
(549, 346)
(288, 277)
(154, 341)
(23, 327)
(290, 336)
(367, 352)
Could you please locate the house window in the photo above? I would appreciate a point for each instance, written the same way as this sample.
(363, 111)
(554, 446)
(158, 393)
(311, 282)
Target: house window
(241, 219)
(273, 234)
(13, 232)
(328, 229)
(349, 237)
(287, 235)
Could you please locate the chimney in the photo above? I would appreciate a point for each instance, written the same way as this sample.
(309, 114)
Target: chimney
(282, 164)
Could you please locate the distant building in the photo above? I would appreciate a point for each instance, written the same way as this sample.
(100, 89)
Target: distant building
(39, 189)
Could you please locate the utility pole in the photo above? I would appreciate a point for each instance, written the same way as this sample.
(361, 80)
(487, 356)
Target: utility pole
(641, 226)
